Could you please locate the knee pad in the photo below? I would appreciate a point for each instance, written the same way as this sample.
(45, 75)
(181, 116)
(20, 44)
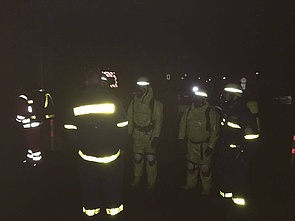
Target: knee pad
(151, 159)
(138, 158)
(191, 167)
(206, 169)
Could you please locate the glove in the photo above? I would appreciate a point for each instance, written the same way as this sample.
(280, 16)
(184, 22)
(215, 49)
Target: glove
(182, 143)
(208, 151)
(154, 143)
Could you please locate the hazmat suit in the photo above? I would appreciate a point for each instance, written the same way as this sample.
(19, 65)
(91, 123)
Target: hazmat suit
(145, 116)
(199, 124)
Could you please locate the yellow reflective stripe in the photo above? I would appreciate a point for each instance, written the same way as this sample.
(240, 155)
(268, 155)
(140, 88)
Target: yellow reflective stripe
(47, 96)
(233, 125)
(99, 159)
(114, 211)
(70, 127)
(233, 146)
(225, 195)
(251, 136)
(91, 212)
(48, 116)
(239, 201)
(122, 124)
(107, 108)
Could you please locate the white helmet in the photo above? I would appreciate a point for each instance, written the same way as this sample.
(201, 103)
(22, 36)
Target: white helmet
(143, 81)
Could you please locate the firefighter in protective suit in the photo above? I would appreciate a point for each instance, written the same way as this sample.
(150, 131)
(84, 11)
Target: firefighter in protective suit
(145, 116)
(238, 138)
(199, 131)
(34, 109)
(98, 131)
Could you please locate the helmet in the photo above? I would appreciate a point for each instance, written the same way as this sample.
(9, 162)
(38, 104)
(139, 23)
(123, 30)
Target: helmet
(200, 97)
(143, 81)
(230, 94)
(234, 88)
(200, 92)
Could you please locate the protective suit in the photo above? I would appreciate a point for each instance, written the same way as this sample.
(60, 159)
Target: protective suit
(145, 116)
(34, 109)
(238, 140)
(199, 125)
(98, 131)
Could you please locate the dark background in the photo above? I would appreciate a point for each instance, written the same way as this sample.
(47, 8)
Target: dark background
(52, 42)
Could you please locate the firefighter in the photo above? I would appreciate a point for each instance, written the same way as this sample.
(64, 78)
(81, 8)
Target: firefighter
(34, 109)
(199, 131)
(145, 116)
(98, 131)
(238, 138)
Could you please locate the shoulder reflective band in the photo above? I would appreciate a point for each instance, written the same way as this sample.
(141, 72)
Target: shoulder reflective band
(122, 124)
(95, 109)
(251, 136)
(107, 159)
(239, 201)
(23, 96)
(233, 125)
(225, 195)
(114, 211)
(91, 212)
(70, 127)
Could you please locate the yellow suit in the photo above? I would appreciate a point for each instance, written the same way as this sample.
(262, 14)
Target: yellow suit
(201, 127)
(145, 116)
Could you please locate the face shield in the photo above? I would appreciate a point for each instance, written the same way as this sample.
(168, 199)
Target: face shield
(199, 98)
(227, 98)
(140, 90)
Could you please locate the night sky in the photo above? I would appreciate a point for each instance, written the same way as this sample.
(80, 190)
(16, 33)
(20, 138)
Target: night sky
(140, 37)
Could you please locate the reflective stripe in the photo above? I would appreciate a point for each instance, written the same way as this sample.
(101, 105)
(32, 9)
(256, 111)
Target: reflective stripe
(122, 124)
(94, 109)
(23, 96)
(225, 195)
(233, 125)
(234, 90)
(114, 211)
(70, 127)
(48, 116)
(35, 156)
(251, 136)
(91, 212)
(239, 201)
(107, 159)
(233, 146)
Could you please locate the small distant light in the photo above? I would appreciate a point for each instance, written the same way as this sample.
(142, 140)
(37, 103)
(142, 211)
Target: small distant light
(223, 78)
(199, 78)
(185, 75)
(294, 137)
(293, 151)
(182, 78)
(257, 73)
(209, 79)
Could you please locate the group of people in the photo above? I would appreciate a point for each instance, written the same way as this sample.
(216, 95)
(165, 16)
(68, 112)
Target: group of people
(100, 130)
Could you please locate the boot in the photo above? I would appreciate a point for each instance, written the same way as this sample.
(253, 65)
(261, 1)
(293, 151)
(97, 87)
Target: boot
(136, 181)
(191, 179)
